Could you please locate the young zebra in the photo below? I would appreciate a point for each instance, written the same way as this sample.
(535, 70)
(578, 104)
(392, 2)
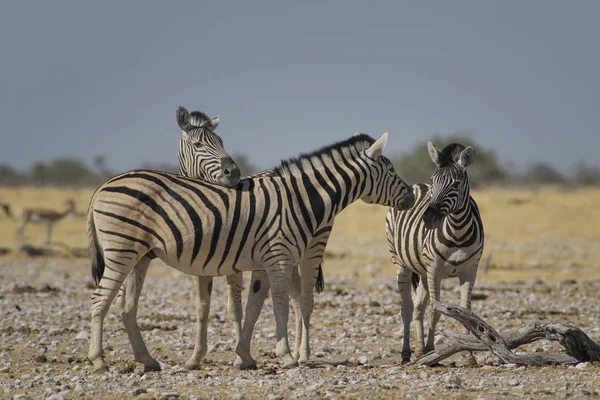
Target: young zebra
(202, 156)
(202, 229)
(440, 237)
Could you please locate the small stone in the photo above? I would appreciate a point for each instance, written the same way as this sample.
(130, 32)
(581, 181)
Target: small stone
(376, 331)
(363, 360)
(510, 366)
(513, 382)
(374, 303)
(170, 395)
(83, 335)
(391, 371)
(139, 391)
(238, 396)
(454, 382)
(341, 367)
(4, 370)
(57, 396)
(582, 365)
(275, 397)
(78, 387)
(41, 359)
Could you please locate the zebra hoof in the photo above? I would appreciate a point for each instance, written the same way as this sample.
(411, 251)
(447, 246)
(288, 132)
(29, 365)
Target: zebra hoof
(245, 365)
(152, 367)
(192, 365)
(101, 370)
(290, 363)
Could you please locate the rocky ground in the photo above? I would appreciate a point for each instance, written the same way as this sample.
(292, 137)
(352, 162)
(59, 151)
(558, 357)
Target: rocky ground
(356, 339)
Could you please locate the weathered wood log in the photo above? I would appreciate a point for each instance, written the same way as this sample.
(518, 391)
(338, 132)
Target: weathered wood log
(578, 346)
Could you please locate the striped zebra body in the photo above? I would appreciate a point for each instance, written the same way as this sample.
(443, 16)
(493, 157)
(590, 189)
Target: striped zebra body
(203, 229)
(441, 236)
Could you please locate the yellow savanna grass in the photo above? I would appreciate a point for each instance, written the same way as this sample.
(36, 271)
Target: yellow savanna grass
(550, 232)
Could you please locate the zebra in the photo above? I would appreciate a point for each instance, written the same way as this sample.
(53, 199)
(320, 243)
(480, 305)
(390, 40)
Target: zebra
(204, 229)
(440, 236)
(200, 152)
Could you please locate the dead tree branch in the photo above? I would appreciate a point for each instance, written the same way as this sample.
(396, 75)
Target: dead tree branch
(578, 346)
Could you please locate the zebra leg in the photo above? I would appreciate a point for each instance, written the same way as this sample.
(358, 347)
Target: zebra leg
(203, 289)
(114, 275)
(234, 302)
(466, 278)
(421, 299)
(259, 288)
(404, 286)
(280, 276)
(310, 270)
(130, 295)
(434, 282)
(295, 293)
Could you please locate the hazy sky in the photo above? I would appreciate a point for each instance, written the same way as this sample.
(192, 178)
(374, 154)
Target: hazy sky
(105, 78)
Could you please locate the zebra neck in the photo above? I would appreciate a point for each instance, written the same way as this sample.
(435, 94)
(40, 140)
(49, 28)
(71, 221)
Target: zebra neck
(325, 191)
(459, 219)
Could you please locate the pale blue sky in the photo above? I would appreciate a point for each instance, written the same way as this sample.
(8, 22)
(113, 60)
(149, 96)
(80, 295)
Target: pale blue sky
(87, 78)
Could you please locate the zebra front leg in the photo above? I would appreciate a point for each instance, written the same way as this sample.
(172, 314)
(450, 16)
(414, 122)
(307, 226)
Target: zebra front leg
(434, 283)
(259, 288)
(280, 276)
(105, 292)
(406, 308)
(234, 302)
(421, 300)
(466, 278)
(310, 270)
(128, 303)
(203, 289)
(295, 293)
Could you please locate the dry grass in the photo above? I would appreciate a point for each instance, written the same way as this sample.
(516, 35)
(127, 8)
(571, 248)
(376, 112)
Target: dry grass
(550, 232)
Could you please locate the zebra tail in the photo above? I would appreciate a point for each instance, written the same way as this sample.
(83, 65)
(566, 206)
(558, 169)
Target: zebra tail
(320, 283)
(415, 280)
(96, 257)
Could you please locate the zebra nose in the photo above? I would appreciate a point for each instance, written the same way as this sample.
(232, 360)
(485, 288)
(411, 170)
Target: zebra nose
(230, 172)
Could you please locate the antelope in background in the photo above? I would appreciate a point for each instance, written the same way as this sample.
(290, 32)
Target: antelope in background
(43, 216)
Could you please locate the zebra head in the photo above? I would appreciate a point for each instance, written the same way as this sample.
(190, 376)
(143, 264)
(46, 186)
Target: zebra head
(387, 188)
(201, 152)
(450, 184)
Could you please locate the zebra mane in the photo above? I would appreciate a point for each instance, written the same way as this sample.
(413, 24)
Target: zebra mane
(450, 154)
(198, 119)
(359, 142)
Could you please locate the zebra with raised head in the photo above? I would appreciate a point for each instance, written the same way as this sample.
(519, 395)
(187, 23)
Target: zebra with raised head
(202, 156)
(440, 236)
(202, 229)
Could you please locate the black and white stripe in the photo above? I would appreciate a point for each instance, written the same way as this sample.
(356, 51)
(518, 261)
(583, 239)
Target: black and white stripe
(202, 229)
(440, 236)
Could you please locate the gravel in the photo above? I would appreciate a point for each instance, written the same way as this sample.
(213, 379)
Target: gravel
(355, 338)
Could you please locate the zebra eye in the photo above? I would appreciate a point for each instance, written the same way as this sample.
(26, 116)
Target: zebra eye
(198, 145)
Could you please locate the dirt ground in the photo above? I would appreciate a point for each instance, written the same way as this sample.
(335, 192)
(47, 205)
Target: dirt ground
(356, 339)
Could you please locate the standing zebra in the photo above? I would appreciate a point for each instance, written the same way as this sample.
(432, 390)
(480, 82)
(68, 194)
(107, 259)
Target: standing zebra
(202, 156)
(203, 229)
(440, 237)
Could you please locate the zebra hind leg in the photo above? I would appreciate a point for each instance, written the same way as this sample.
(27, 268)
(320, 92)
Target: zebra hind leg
(105, 292)
(132, 289)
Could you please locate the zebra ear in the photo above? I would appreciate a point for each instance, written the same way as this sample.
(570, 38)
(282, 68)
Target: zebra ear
(183, 118)
(215, 121)
(378, 147)
(466, 157)
(435, 154)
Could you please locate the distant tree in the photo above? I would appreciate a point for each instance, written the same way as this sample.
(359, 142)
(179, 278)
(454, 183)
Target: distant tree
(416, 166)
(9, 175)
(40, 173)
(244, 164)
(70, 171)
(541, 172)
(584, 174)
